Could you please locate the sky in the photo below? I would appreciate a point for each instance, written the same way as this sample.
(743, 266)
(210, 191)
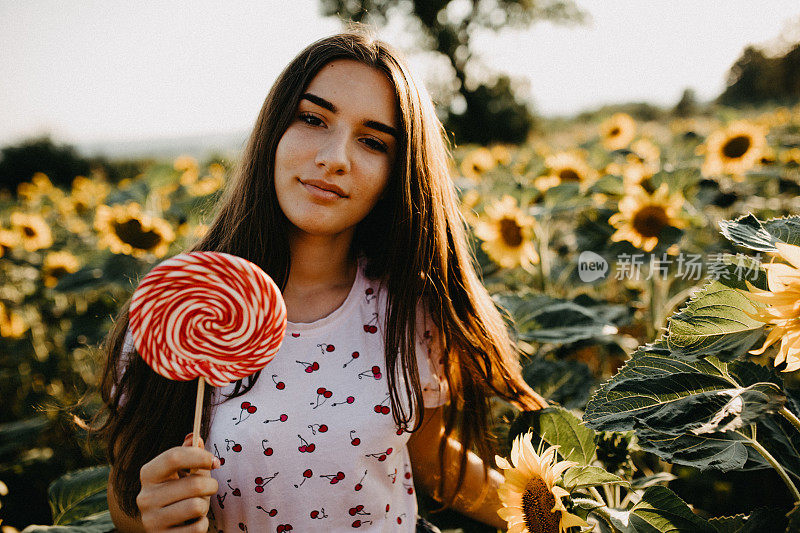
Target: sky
(112, 70)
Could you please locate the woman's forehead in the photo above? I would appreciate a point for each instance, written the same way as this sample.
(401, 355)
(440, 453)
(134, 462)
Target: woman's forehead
(355, 88)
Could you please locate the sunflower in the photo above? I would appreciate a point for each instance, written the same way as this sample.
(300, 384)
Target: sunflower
(618, 131)
(33, 231)
(469, 201)
(188, 166)
(209, 184)
(126, 230)
(734, 149)
(57, 265)
(477, 162)
(32, 192)
(87, 193)
(642, 216)
(531, 499)
(569, 167)
(8, 240)
(12, 325)
(501, 154)
(783, 311)
(506, 234)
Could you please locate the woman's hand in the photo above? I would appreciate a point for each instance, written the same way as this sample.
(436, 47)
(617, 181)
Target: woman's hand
(176, 489)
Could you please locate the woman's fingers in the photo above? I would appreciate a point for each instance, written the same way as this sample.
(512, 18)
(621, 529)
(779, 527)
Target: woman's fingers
(179, 512)
(166, 465)
(175, 490)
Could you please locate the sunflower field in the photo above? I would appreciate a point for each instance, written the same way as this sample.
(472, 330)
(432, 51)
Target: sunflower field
(649, 272)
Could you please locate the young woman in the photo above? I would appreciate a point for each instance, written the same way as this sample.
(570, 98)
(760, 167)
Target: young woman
(392, 346)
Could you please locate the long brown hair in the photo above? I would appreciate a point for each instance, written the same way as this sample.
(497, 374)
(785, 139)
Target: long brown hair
(414, 238)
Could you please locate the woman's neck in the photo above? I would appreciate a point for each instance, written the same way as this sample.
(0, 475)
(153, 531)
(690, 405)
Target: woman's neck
(320, 263)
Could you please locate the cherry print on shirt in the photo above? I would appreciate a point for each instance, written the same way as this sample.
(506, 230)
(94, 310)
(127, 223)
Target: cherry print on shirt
(381, 456)
(221, 500)
(267, 450)
(283, 418)
(355, 441)
(310, 367)
(383, 409)
(217, 455)
(295, 335)
(393, 476)
(282, 528)
(359, 523)
(369, 294)
(322, 428)
(353, 357)
(326, 348)
(387, 511)
(246, 410)
(324, 393)
(371, 326)
(236, 492)
(280, 385)
(358, 510)
(305, 447)
(374, 372)
(359, 486)
(409, 488)
(271, 512)
(318, 515)
(334, 478)
(243, 527)
(306, 475)
(400, 518)
(348, 400)
(230, 444)
(261, 481)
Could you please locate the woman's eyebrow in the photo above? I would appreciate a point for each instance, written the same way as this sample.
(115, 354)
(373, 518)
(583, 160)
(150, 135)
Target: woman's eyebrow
(380, 126)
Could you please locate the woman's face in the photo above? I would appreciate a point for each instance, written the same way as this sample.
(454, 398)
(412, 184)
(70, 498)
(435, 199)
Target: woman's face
(333, 162)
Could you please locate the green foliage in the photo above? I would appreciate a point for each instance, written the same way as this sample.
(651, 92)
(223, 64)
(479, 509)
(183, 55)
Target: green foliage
(20, 162)
(78, 495)
(757, 78)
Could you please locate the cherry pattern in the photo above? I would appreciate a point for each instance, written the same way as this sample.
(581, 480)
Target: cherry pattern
(342, 498)
(309, 367)
(353, 357)
(334, 478)
(267, 450)
(359, 485)
(243, 526)
(322, 428)
(231, 445)
(374, 372)
(261, 481)
(318, 515)
(244, 413)
(307, 474)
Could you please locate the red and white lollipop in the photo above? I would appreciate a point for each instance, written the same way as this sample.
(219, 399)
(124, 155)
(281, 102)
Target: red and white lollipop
(210, 315)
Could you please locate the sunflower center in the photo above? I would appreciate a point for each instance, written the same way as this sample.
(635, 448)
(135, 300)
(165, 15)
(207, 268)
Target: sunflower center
(614, 132)
(28, 231)
(511, 232)
(650, 220)
(736, 147)
(58, 271)
(537, 505)
(569, 174)
(131, 232)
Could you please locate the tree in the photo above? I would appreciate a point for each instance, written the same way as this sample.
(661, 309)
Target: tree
(20, 162)
(492, 112)
(687, 105)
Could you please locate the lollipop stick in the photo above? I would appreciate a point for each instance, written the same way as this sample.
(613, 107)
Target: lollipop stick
(198, 411)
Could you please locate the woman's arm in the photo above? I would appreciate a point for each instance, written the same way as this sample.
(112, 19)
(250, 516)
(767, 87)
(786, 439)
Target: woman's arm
(478, 498)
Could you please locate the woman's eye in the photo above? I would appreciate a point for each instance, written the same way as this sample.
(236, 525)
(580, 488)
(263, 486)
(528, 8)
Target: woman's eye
(310, 119)
(375, 145)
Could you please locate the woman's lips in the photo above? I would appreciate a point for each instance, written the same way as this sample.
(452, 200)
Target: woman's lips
(322, 194)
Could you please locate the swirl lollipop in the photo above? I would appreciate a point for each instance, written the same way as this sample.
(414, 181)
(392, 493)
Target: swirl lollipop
(207, 315)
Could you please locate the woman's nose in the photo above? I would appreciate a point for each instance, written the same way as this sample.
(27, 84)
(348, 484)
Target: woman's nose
(333, 153)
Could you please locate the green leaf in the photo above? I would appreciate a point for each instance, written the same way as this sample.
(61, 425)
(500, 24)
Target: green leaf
(692, 412)
(563, 381)
(588, 476)
(539, 318)
(20, 435)
(78, 494)
(662, 510)
(750, 232)
(663, 393)
(559, 427)
(759, 520)
(714, 322)
(96, 523)
(648, 481)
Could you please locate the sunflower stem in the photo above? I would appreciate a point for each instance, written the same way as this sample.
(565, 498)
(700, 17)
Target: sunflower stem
(788, 415)
(596, 494)
(602, 510)
(777, 466)
(543, 238)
